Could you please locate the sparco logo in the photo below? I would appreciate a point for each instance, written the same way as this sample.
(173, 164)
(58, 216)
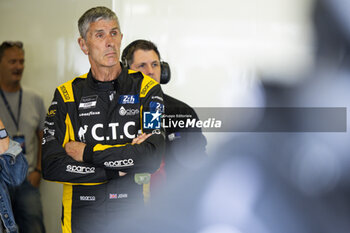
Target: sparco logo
(128, 112)
(120, 163)
(87, 198)
(144, 90)
(80, 169)
(65, 92)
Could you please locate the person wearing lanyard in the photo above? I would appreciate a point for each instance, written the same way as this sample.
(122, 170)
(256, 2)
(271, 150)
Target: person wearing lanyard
(23, 113)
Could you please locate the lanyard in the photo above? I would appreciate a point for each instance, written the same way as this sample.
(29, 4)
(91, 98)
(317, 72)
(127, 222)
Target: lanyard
(10, 110)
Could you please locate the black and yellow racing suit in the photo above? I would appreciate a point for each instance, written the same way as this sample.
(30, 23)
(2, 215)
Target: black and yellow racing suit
(106, 116)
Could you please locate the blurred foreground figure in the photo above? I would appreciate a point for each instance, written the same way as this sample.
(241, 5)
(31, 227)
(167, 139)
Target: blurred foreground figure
(257, 186)
(275, 182)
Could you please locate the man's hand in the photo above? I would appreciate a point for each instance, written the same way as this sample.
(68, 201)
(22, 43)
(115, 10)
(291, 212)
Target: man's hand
(75, 150)
(138, 140)
(4, 145)
(141, 138)
(34, 178)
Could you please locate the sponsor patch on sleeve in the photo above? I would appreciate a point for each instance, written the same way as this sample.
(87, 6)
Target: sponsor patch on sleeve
(151, 120)
(156, 107)
(51, 113)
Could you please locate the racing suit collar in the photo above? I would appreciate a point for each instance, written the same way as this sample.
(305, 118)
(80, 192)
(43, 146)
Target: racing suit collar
(106, 86)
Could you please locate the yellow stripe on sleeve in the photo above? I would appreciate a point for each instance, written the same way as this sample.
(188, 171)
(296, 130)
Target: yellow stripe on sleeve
(141, 118)
(100, 147)
(69, 135)
(86, 184)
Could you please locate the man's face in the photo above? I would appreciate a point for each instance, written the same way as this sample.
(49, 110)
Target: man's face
(102, 43)
(12, 65)
(147, 61)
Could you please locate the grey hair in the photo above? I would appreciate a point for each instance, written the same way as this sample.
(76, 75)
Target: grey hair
(93, 15)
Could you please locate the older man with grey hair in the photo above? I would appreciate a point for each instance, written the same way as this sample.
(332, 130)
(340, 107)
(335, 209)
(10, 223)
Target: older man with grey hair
(102, 135)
